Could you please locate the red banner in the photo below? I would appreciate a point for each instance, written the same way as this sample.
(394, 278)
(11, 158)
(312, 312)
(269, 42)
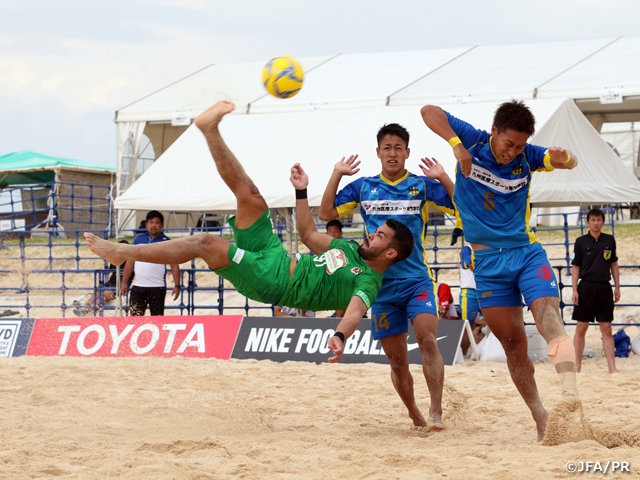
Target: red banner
(187, 336)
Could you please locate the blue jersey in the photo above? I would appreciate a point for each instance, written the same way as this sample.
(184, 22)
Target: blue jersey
(493, 203)
(406, 200)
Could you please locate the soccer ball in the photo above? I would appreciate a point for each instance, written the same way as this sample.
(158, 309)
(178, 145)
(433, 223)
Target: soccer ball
(282, 77)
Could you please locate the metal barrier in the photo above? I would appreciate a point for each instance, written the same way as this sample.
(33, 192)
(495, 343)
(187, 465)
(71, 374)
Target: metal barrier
(69, 258)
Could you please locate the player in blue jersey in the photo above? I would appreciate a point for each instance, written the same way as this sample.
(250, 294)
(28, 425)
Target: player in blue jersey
(408, 288)
(493, 181)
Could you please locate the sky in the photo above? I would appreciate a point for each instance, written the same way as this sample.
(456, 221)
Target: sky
(67, 66)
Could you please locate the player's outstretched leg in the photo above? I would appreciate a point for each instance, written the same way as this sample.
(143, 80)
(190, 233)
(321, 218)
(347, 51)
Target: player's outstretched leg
(210, 248)
(251, 205)
(507, 324)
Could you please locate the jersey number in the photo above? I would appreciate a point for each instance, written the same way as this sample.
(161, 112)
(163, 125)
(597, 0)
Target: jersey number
(489, 202)
(383, 323)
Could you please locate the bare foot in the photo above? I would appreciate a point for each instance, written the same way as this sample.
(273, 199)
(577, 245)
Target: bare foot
(104, 249)
(210, 118)
(541, 424)
(614, 371)
(418, 419)
(435, 423)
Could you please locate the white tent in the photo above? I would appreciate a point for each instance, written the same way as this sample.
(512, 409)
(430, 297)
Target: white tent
(346, 98)
(185, 178)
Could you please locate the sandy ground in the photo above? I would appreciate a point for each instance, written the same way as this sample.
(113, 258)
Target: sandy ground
(182, 418)
(187, 418)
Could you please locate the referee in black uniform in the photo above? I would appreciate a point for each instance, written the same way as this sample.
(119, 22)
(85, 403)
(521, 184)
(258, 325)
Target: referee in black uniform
(594, 262)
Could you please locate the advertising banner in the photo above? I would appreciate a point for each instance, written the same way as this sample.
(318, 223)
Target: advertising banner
(201, 336)
(305, 339)
(14, 336)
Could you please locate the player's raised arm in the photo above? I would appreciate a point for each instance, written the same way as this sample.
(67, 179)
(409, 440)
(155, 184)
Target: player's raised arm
(349, 323)
(434, 170)
(561, 158)
(316, 242)
(436, 119)
(348, 166)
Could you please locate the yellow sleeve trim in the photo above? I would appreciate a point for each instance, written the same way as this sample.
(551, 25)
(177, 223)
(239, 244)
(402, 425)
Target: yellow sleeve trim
(346, 208)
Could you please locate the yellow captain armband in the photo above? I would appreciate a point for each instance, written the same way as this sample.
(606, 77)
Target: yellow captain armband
(567, 160)
(454, 141)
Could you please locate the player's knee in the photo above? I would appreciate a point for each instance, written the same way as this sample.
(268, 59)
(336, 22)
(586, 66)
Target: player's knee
(512, 344)
(204, 240)
(399, 368)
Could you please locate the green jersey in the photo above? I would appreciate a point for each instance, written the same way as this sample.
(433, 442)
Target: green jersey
(329, 281)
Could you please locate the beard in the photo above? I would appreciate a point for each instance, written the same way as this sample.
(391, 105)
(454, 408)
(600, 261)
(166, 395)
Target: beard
(365, 252)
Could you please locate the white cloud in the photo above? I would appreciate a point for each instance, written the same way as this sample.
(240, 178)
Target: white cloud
(51, 83)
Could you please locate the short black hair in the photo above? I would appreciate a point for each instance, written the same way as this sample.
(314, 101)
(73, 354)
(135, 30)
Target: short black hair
(595, 212)
(393, 129)
(155, 214)
(402, 241)
(516, 116)
(334, 223)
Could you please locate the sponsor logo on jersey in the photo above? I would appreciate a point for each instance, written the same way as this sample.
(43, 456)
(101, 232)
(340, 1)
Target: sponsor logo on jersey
(494, 182)
(391, 207)
(544, 272)
(486, 294)
(375, 190)
(413, 191)
(517, 170)
(332, 260)
(356, 270)
(553, 284)
(423, 295)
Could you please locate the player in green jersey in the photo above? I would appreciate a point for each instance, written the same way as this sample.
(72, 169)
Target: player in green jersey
(343, 276)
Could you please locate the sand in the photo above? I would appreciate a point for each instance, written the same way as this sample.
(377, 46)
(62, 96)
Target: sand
(183, 418)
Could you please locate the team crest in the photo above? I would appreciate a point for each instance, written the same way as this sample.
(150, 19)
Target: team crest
(607, 254)
(356, 270)
(517, 170)
(413, 191)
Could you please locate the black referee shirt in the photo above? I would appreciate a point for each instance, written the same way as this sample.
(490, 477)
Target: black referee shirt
(594, 257)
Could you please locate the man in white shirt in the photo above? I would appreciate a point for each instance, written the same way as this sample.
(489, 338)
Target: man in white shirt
(149, 285)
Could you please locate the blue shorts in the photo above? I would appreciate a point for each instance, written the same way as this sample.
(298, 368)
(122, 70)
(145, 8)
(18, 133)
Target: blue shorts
(469, 304)
(398, 303)
(504, 275)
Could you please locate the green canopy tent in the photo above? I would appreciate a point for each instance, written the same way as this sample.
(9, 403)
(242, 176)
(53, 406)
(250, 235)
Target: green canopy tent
(64, 180)
(27, 167)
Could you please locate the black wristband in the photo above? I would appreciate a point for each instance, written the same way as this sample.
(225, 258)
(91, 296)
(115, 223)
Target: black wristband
(340, 335)
(301, 194)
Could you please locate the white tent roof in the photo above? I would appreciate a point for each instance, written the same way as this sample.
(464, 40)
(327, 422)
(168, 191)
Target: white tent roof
(578, 69)
(616, 66)
(184, 178)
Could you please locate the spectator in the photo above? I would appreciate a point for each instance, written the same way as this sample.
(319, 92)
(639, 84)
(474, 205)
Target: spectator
(594, 261)
(150, 286)
(85, 303)
(334, 228)
(446, 305)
